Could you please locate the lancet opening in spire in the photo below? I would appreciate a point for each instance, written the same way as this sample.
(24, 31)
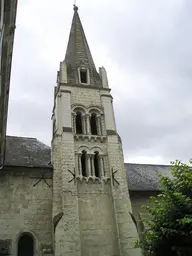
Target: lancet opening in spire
(78, 55)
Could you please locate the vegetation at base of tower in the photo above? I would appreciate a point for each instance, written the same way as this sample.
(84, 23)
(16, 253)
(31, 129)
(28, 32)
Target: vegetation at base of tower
(169, 231)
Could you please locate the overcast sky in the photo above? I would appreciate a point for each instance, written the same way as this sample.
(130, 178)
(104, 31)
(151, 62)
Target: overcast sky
(146, 47)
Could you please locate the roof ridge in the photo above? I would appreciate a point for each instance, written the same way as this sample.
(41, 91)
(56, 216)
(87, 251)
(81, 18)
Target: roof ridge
(43, 143)
(10, 136)
(169, 165)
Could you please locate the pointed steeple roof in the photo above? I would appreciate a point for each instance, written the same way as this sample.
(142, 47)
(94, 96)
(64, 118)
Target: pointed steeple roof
(79, 55)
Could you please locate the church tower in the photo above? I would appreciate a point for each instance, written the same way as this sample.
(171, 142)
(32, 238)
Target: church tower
(91, 205)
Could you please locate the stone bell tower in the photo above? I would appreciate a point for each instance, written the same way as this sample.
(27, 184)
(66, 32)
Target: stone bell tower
(91, 205)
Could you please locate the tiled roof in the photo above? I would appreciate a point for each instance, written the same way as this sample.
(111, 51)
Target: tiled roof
(29, 152)
(143, 177)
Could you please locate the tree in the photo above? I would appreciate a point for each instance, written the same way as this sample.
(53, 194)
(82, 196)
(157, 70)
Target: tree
(169, 231)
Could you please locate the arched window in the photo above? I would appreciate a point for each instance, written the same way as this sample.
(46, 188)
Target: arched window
(84, 163)
(83, 73)
(25, 245)
(83, 76)
(93, 123)
(96, 164)
(78, 123)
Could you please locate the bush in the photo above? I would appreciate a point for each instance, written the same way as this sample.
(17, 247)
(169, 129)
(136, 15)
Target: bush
(169, 232)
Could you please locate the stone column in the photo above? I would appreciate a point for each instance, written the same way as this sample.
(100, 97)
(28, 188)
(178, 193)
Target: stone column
(74, 123)
(101, 166)
(98, 118)
(83, 124)
(88, 165)
(92, 166)
(79, 165)
(76, 164)
(88, 124)
(102, 125)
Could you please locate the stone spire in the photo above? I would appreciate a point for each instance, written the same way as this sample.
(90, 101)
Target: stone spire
(78, 54)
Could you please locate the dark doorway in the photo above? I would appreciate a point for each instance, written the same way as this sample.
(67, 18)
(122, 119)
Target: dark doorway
(25, 246)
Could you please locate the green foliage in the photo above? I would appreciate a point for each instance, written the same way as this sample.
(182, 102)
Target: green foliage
(169, 232)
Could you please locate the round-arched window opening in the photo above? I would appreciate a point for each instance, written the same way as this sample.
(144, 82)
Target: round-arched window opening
(78, 122)
(25, 245)
(93, 122)
(84, 163)
(96, 164)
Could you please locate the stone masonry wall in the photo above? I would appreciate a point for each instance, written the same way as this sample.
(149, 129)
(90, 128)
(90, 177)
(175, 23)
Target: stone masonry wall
(127, 231)
(138, 199)
(96, 217)
(97, 222)
(26, 208)
(85, 96)
(57, 184)
(67, 233)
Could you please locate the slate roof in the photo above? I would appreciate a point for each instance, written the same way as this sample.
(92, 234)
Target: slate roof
(143, 177)
(28, 152)
(78, 53)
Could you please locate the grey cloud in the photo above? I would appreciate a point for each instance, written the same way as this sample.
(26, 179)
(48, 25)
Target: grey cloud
(147, 45)
(159, 123)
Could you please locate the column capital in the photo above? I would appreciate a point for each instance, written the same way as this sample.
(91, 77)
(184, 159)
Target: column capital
(90, 154)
